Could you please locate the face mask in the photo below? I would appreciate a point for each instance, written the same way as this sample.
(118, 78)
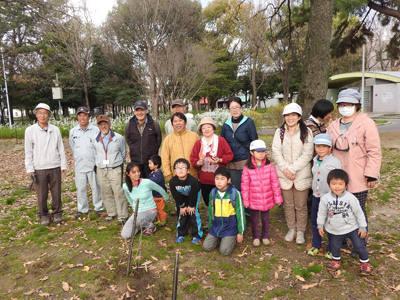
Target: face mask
(347, 111)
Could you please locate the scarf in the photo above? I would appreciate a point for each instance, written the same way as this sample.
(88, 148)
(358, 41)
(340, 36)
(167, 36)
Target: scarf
(205, 148)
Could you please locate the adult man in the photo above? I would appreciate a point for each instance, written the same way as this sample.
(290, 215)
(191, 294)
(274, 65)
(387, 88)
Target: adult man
(111, 152)
(143, 136)
(45, 161)
(179, 106)
(81, 139)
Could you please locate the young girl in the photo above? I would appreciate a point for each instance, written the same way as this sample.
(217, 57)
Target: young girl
(292, 151)
(260, 190)
(136, 187)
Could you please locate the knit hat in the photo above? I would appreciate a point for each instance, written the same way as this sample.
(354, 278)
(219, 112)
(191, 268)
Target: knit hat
(349, 96)
(323, 139)
(292, 108)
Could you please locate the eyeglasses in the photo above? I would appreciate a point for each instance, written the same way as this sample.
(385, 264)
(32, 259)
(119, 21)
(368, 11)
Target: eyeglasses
(343, 142)
(235, 108)
(181, 169)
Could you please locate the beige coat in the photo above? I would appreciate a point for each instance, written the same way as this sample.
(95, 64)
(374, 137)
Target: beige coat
(363, 159)
(295, 156)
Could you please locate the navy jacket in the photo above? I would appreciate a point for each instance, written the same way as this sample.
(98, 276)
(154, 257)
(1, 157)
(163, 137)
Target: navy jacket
(246, 132)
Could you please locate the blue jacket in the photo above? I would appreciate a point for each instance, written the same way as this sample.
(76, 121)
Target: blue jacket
(246, 132)
(224, 218)
(158, 178)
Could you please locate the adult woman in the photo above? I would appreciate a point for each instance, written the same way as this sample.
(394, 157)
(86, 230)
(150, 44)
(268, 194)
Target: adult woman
(208, 154)
(292, 151)
(356, 144)
(239, 131)
(320, 116)
(178, 144)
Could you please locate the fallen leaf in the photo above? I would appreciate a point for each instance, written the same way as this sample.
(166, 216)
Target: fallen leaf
(29, 293)
(149, 286)
(300, 278)
(244, 252)
(270, 288)
(44, 278)
(101, 227)
(164, 268)
(129, 289)
(85, 269)
(393, 256)
(65, 286)
(153, 257)
(219, 298)
(309, 286)
(276, 276)
(397, 288)
(147, 263)
(161, 242)
(167, 228)
(88, 252)
(150, 297)
(82, 285)
(44, 294)
(100, 249)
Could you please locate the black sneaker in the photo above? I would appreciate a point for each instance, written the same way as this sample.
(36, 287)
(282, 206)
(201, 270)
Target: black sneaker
(57, 220)
(78, 215)
(99, 213)
(45, 223)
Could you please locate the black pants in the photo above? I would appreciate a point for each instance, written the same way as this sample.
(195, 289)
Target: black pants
(205, 192)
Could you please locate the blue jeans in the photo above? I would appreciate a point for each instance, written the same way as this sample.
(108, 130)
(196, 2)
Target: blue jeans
(316, 239)
(358, 245)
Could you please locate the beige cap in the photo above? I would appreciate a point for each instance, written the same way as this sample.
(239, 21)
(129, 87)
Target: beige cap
(207, 120)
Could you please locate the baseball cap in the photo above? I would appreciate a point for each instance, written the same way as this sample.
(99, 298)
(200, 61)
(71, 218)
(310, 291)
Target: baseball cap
(140, 104)
(102, 118)
(82, 109)
(323, 139)
(258, 145)
(177, 102)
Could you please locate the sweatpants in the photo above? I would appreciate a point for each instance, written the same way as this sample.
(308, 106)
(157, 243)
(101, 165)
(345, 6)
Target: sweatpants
(226, 244)
(358, 244)
(160, 203)
(193, 221)
(144, 220)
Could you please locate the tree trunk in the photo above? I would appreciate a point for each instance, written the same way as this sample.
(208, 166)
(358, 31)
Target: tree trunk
(85, 90)
(314, 82)
(253, 80)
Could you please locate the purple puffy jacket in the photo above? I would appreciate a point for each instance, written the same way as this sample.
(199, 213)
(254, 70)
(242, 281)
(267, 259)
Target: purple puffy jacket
(260, 187)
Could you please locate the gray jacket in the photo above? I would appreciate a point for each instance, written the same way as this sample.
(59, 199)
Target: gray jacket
(115, 152)
(82, 143)
(341, 214)
(320, 172)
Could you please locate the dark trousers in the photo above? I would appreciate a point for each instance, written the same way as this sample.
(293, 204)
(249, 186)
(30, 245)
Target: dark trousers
(193, 221)
(358, 244)
(44, 179)
(205, 192)
(144, 170)
(316, 239)
(254, 216)
(236, 178)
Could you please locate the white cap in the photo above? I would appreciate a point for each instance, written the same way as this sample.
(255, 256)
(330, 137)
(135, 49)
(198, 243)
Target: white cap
(258, 145)
(292, 108)
(44, 106)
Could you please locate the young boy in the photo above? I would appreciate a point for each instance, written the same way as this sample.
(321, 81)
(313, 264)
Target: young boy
(157, 176)
(324, 162)
(343, 218)
(227, 220)
(186, 191)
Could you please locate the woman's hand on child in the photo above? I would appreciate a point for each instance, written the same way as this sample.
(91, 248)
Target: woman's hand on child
(190, 210)
(239, 239)
(362, 234)
(321, 232)
(216, 160)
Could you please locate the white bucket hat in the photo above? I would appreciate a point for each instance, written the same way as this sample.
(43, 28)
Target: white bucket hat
(292, 108)
(44, 106)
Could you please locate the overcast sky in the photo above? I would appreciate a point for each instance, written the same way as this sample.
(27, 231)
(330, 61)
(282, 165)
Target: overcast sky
(99, 8)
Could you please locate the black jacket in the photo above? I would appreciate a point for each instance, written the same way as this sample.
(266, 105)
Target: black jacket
(142, 146)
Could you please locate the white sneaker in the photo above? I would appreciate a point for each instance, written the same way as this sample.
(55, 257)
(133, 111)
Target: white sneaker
(290, 235)
(256, 242)
(300, 238)
(266, 241)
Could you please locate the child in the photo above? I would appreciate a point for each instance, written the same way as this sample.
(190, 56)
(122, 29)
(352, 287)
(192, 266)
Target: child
(341, 214)
(186, 191)
(136, 187)
(227, 220)
(260, 190)
(292, 151)
(324, 162)
(157, 176)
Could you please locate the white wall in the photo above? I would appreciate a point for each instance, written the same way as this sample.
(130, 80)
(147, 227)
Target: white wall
(386, 98)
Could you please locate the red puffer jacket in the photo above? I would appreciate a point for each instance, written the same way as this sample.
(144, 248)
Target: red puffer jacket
(260, 187)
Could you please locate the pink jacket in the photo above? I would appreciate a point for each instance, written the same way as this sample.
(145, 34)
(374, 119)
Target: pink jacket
(364, 155)
(260, 187)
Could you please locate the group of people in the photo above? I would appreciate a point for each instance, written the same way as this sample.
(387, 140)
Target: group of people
(334, 162)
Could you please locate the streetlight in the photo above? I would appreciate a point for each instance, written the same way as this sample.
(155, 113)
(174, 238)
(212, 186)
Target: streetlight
(5, 84)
